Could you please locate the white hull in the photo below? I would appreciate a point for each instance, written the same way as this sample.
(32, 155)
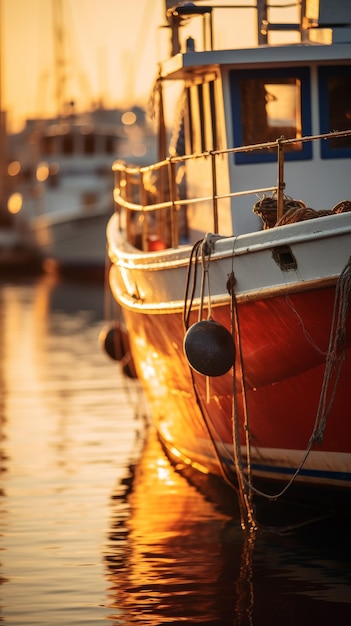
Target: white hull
(75, 242)
(66, 182)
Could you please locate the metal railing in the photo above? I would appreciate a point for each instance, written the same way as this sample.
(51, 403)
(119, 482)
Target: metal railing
(154, 189)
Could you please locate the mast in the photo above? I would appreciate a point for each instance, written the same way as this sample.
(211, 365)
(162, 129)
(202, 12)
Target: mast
(59, 56)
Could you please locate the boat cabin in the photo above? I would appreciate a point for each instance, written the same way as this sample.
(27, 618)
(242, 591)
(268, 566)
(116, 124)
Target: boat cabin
(230, 100)
(235, 98)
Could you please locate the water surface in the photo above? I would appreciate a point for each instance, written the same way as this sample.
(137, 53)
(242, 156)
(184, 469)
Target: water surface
(96, 524)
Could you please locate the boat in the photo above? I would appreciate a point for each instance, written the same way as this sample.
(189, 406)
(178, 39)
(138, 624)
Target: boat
(229, 258)
(66, 181)
(64, 173)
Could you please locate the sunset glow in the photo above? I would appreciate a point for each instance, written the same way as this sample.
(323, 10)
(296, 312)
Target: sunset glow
(106, 52)
(103, 49)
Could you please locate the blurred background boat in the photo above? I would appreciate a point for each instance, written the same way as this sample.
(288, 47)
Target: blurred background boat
(56, 179)
(63, 171)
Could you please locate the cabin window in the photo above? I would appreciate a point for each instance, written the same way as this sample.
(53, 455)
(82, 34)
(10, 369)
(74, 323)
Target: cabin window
(47, 145)
(268, 104)
(202, 117)
(210, 129)
(68, 144)
(89, 143)
(195, 124)
(109, 144)
(335, 109)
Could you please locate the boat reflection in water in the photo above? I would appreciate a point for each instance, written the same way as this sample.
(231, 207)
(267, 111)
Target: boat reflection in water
(173, 556)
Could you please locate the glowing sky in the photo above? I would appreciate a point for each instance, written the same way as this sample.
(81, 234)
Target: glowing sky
(111, 49)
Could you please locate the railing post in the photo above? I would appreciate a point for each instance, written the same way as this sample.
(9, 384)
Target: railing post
(214, 193)
(117, 185)
(143, 215)
(126, 187)
(281, 183)
(174, 210)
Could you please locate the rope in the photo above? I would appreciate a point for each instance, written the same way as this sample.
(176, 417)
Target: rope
(204, 246)
(191, 278)
(336, 351)
(293, 211)
(304, 330)
(245, 485)
(334, 361)
(206, 249)
(266, 208)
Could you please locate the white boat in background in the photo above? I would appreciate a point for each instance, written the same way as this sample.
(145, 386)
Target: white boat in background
(65, 179)
(61, 167)
(231, 258)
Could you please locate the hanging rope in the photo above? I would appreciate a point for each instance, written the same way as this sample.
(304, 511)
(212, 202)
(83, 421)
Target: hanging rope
(336, 352)
(247, 514)
(248, 520)
(203, 247)
(334, 361)
(191, 279)
(206, 248)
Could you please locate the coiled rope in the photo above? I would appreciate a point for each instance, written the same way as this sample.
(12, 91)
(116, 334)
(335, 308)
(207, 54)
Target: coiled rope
(293, 211)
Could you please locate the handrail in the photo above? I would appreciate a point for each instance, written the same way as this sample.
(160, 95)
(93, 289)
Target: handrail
(133, 185)
(186, 201)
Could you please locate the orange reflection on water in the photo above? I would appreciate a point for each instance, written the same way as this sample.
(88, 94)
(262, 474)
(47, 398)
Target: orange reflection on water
(167, 553)
(63, 444)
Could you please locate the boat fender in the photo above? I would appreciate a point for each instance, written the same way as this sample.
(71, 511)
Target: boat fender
(209, 348)
(114, 341)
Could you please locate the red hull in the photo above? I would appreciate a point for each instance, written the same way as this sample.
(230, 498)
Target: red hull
(282, 410)
(284, 342)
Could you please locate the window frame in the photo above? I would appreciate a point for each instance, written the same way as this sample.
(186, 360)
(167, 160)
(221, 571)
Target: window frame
(324, 72)
(201, 114)
(300, 72)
